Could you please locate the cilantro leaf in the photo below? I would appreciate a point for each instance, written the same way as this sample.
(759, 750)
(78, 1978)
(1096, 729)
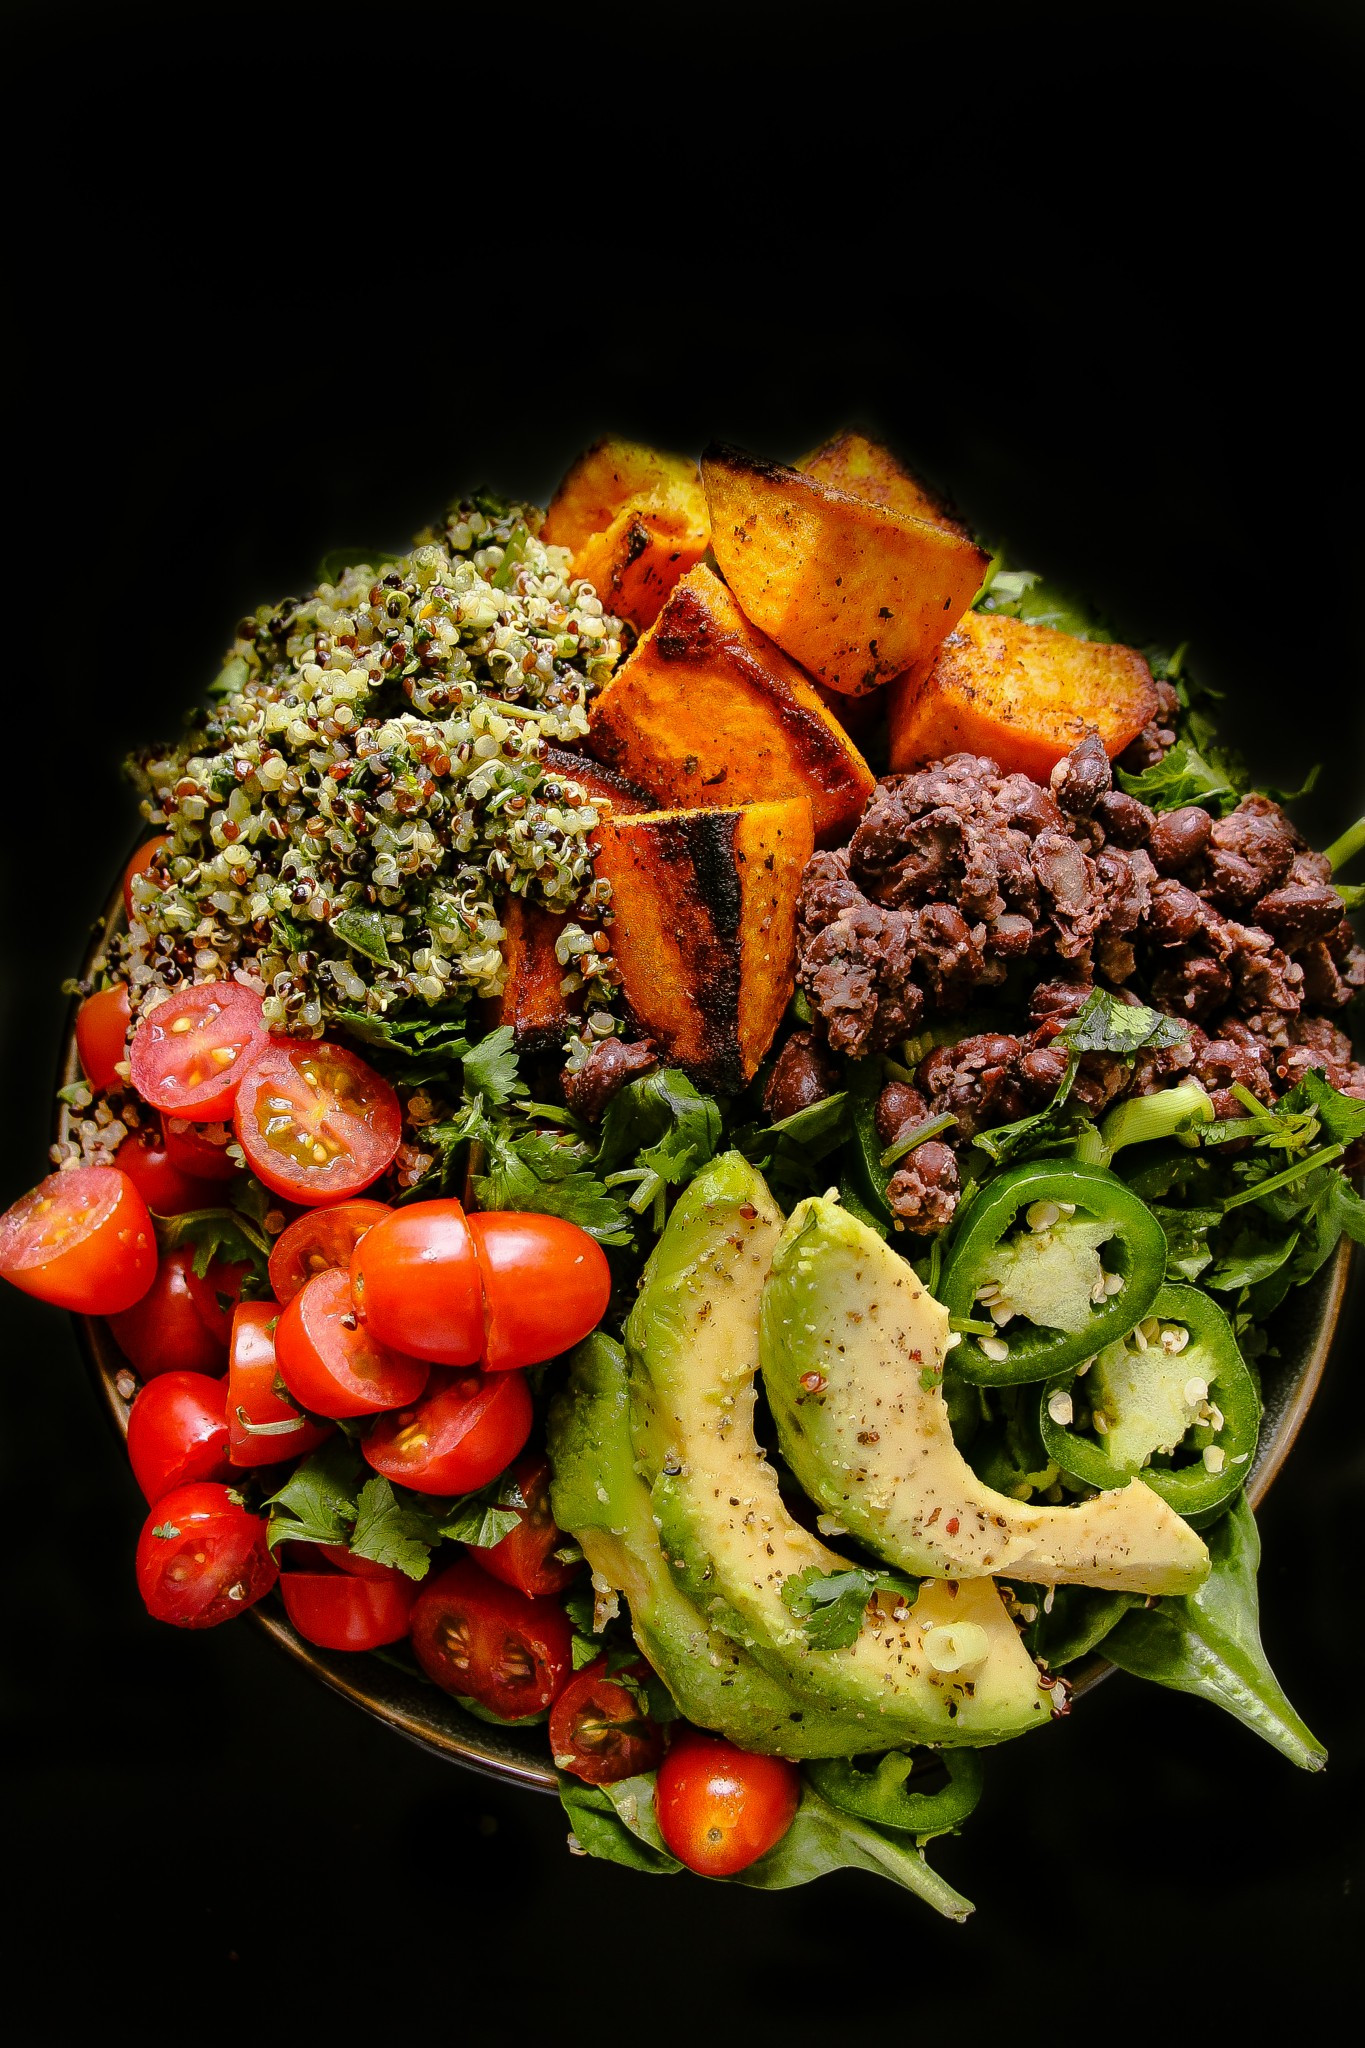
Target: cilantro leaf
(1023, 594)
(363, 932)
(317, 1502)
(490, 1068)
(390, 1531)
(1105, 1024)
(483, 1518)
(217, 1233)
(512, 1182)
(653, 1107)
(1182, 776)
(1342, 1117)
(830, 1606)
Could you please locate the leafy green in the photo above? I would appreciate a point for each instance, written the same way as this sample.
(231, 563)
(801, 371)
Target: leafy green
(599, 1828)
(363, 932)
(484, 1518)
(317, 1503)
(1182, 776)
(1105, 1024)
(1187, 1238)
(324, 1501)
(388, 1531)
(659, 1109)
(526, 1172)
(1023, 594)
(224, 1234)
(830, 1606)
(490, 1068)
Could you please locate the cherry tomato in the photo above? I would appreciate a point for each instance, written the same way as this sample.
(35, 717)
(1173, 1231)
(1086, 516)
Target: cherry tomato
(81, 1239)
(139, 864)
(216, 1292)
(546, 1283)
(177, 1432)
(193, 1151)
(164, 1331)
(525, 1558)
(102, 1037)
(338, 1612)
(347, 1561)
(264, 1426)
(318, 1241)
(467, 1428)
(167, 1190)
(332, 1363)
(719, 1808)
(315, 1122)
(201, 1558)
(416, 1282)
(490, 1644)
(188, 1055)
(600, 1731)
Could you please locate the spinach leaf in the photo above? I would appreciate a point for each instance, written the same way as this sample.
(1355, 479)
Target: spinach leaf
(599, 1828)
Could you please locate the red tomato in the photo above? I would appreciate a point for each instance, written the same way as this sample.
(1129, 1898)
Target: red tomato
(216, 1293)
(164, 1332)
(139, 864)
(600, 1731)
(168, 1191)
(201, 1558)
(525, 1556)
(177, 1432)
(332, 1363)
(264, 1427)
(102, 1037)
(489, 1643)
(318, 1241)
(315, 1122)
(188, 1055)
(347, 1561)
(546, 1283)
(719, 1808)
(416, 1281)
(81, 1239)
(341, 1613)
(466, 1429)
(193, 1152)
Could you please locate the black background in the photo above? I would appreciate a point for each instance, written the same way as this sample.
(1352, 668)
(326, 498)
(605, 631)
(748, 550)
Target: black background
(287, 285)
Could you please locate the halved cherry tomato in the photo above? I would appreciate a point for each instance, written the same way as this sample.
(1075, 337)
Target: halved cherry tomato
(177, 1432)
(315, 1122)
(416, 1282)
(338, 1612)
(188, 1055)
(102, 1036)
(216, 1292)
(319, 1241)
(166, 1189)
(332, 1363)
(599, 1729)
(525, 1558)
(139, 864)
(489, 1643)
(194, 1152)
(467, 1428)
(546, 1284)
(718, 1807)
(201, 1558)
(81, 1239)
(164, 1332)
(264, 1426)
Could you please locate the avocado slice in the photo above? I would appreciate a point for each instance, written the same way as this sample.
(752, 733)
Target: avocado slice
(852, 1351)
(949, 1669)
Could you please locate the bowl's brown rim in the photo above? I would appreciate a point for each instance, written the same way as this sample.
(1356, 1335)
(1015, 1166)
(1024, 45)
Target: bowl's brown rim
(448, 1731)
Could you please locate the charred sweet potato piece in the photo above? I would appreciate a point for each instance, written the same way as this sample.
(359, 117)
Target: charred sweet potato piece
(636, 561)
(602, 482)
(704, 928)
(866, 469)
(1022, 694)
(706, 710)
(852, 590)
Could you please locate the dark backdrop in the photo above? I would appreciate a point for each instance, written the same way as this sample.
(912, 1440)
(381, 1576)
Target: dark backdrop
(289, 285)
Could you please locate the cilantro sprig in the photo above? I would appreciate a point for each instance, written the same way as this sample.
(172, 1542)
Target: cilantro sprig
(327, 1500)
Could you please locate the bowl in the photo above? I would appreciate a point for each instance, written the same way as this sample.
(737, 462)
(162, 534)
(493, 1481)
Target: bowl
(1304, 1327)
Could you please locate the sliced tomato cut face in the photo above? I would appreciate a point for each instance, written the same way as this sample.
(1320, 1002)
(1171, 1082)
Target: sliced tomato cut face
(416, 1281)
(194, 1151)
(177, 1432)
(316, 1123)
(82, 1240)
(467, 1428)
(164, 1332)
(343, 1613)
(264, 1426)
(489, 1643)
(331, 1361)
(101, 1036)
(202, 1557)
(600, 1729)
(320, 1241)
(188, 1054)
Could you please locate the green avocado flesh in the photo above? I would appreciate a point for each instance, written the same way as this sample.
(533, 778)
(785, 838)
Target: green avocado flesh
(851, 1351)
(950, 1669)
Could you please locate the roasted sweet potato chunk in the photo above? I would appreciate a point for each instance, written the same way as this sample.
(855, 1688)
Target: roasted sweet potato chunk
(1022, 694)
(636, 561)
(852, 590)
(707, 710)
(865, 469)
(602, 483)
(704, 928)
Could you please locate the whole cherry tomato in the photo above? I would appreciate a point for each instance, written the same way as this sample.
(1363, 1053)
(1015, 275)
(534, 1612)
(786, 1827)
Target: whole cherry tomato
(546, 1284)
(201, 1557)
(316, 1124)
(216, 1292)
(189, 1054)
(102, 1037)
(340, 1612)
(332, 1363)
(319, 1240)
(600, 1730)
(525, 1557)
(416, 1282)
(139, 865)
(489, 1643)
(177, 1432)
(718, 1807)
(347, 1561)
(264, 1427)
(194, 1152)
(164, 1331)
(166, 1189)
(81, 1239)
(467, 1428)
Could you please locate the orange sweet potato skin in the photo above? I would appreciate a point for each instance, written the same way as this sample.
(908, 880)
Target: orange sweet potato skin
(635, 562)
(704, 928)
(706, 710)
(603, 481)
(866, 469)
(1020, 693)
